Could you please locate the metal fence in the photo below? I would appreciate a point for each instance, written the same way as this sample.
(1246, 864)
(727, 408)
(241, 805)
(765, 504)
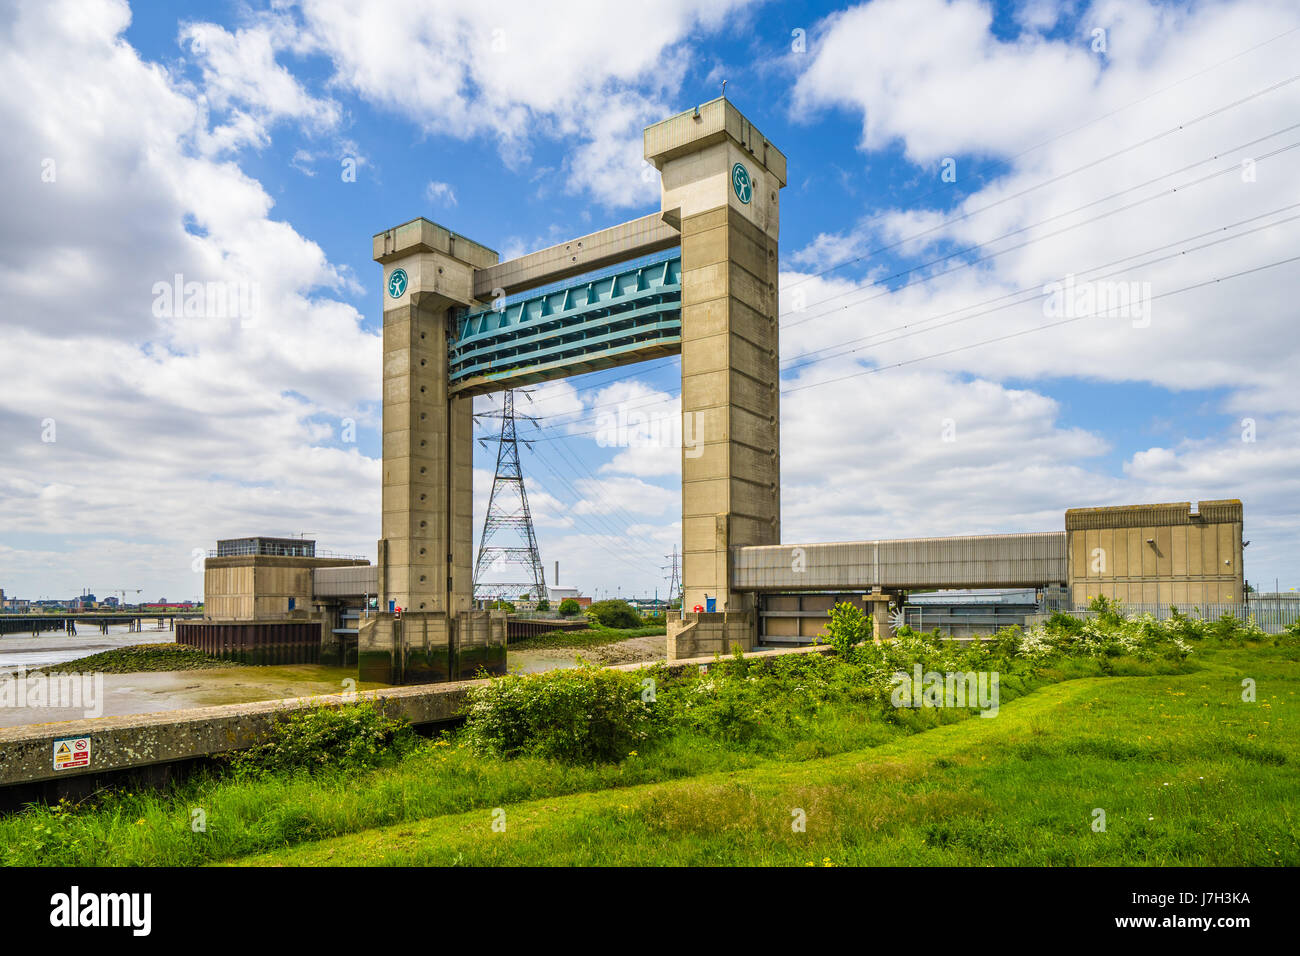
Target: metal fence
(1273, 616)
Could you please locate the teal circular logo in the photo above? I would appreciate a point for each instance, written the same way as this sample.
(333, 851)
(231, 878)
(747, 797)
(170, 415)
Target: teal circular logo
(397, 283)
(741, 183)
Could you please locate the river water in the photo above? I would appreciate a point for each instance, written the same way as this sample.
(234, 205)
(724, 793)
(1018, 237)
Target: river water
(154, 691)
(24, 651)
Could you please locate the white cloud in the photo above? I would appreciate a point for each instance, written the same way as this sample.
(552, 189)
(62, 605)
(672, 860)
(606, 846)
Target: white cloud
(948, 88)
(948, 92)
(515, 72)
(440, 194)
(240, 73)
(170, 430)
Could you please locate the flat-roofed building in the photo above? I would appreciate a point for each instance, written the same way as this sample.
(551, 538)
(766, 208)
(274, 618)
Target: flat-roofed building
(263, 579)
(1157, 554)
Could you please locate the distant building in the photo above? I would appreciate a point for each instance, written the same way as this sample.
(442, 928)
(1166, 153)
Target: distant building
(558, 594)
(964, 613)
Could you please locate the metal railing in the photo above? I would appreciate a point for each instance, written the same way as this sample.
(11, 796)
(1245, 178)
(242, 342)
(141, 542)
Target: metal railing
(283, 552)
(1271, 615)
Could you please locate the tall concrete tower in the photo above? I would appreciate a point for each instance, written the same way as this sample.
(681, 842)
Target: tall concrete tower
(426, 546)
(721, 181)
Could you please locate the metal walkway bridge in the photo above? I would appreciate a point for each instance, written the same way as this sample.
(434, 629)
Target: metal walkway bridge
(904, 564)
(616, 316)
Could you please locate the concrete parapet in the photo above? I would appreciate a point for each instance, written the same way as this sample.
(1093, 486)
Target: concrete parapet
(140, 740)
(705, 634)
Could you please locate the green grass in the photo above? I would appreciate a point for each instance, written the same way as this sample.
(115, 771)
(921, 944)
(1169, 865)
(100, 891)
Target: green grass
(588, 637)
(1186, 773)
(917, 786)
(140, 657)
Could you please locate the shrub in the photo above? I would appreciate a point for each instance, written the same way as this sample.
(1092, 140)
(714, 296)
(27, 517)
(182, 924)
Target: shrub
(353, 737)
(569, 607)
(1109, 612)
(612, 613)
(847, 628)
(1290, 636)
(504, 606)
(583, 715)
(543, 605)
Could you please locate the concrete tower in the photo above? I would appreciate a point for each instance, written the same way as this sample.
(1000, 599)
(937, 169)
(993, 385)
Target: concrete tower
(721, 182)
(426, 545)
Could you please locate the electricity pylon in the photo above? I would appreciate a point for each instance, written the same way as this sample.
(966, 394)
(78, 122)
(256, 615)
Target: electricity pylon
(675, 587)
(508, 519)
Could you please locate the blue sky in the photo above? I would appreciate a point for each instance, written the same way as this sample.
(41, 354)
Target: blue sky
(209, 139)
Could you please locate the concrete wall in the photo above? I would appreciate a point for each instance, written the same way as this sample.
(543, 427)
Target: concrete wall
(705, 634)
(1157, 554)
(802, 617)
(258, 587)
(150, 740)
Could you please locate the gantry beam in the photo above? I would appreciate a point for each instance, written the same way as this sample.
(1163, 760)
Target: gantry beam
(621, 243)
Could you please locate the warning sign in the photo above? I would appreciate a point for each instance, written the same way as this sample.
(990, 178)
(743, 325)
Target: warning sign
(70, 752)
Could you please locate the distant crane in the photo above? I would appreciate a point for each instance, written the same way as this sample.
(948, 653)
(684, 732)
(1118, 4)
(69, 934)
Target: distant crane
(123, 592)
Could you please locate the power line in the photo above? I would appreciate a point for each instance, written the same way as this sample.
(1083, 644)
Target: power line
(1036, 328)
(1091, 122)
(1164, 193)
(1057, 178)
(1235, 167)
(506, 481)
(1036, 290)
(595, 522)
(1218, 110)
(675, 583)
(612, 505)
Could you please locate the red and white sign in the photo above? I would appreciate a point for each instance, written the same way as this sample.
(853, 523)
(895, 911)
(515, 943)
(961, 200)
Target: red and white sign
(71, 752)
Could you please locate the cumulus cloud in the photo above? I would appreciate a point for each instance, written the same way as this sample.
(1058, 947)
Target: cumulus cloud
(175, 418)
(514, 72)
(1070, 125)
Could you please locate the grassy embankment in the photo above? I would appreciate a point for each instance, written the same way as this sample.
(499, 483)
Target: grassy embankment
(1186, 774)
(594, 636)
(1185, 770)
